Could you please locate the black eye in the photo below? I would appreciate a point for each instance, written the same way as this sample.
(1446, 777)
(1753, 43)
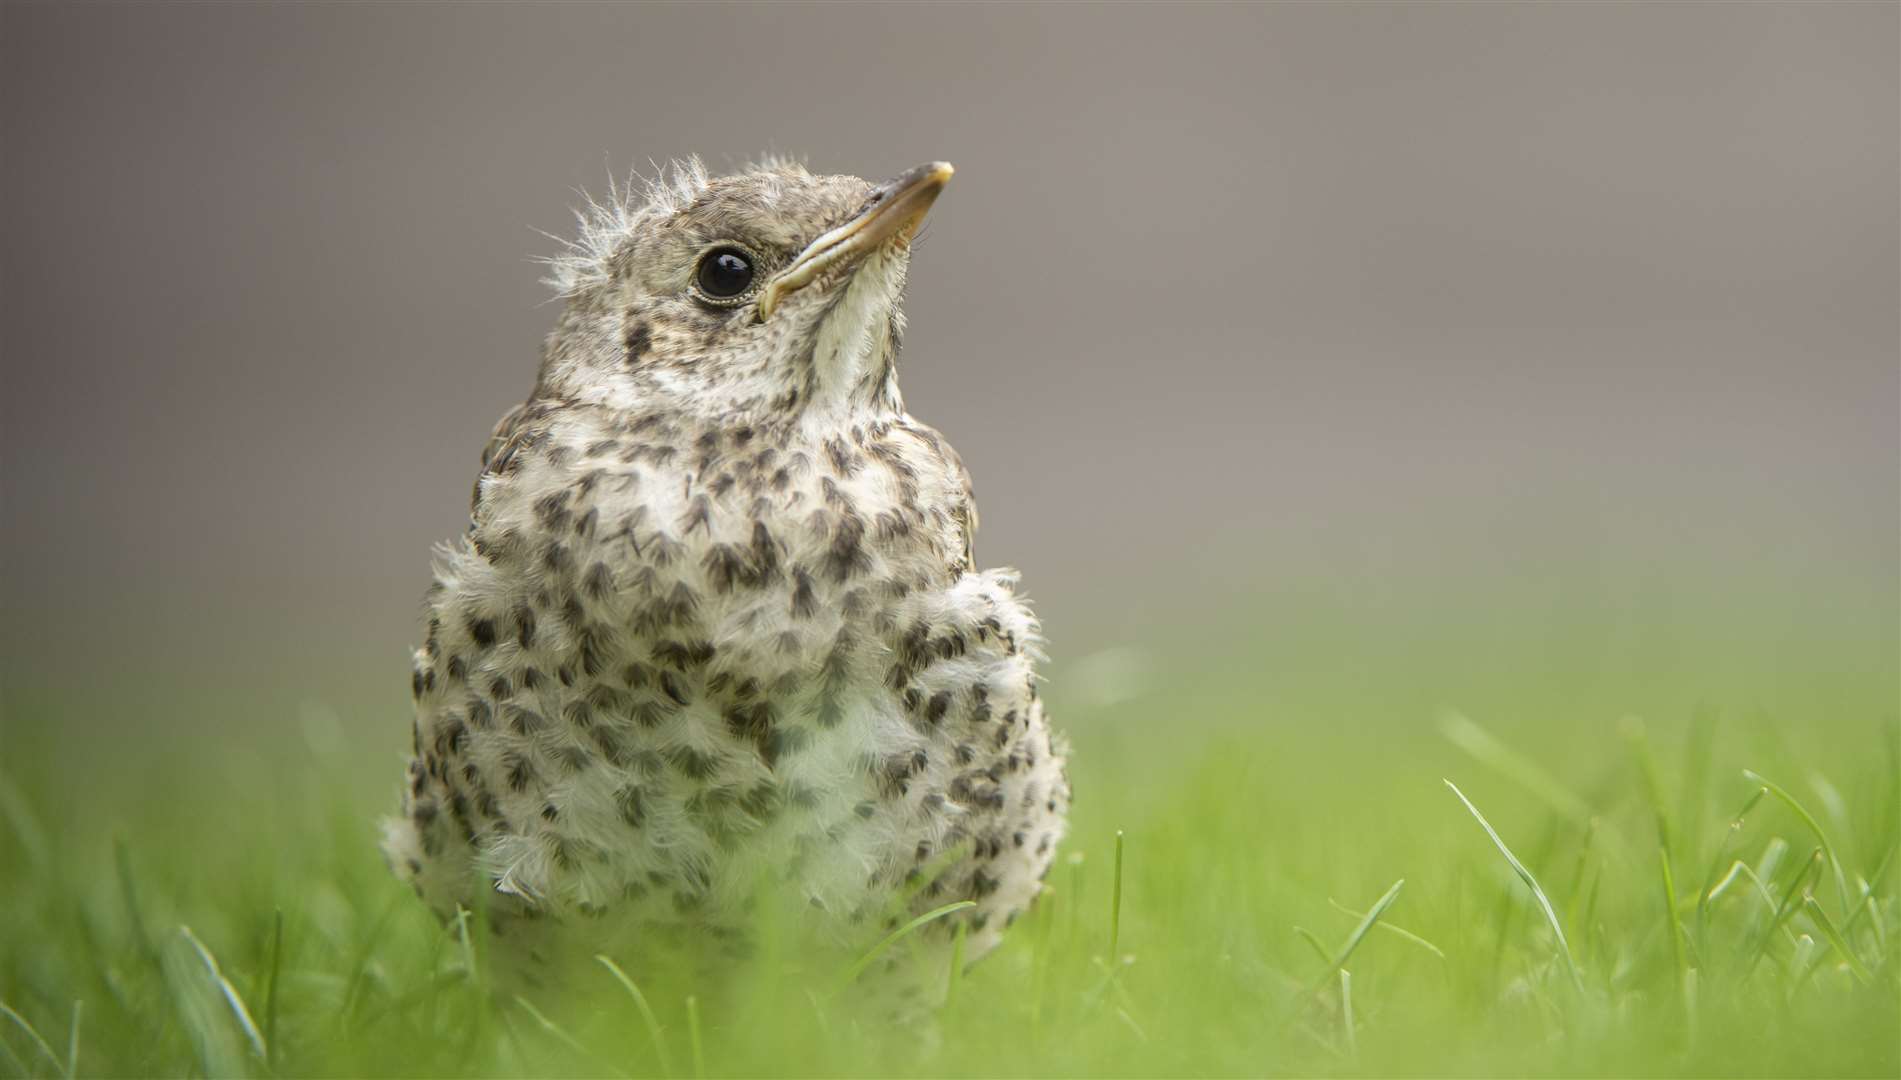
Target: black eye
(725, 273)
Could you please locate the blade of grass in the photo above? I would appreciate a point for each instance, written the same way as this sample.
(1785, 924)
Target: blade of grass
(1486, 749)
(1531, 882)
(1319, 947)
(230, 992)
(871, 955)
(646, 1013)
(1698, 749)
(1042, 918)
(1866, 907)
(462, 917)
(128, 889)
(1390, 927)
(693, 1036)
(1675, 921)
(1741, 869)
(21, 821)
(1115, 906)
(1346, 1014)
(1584, 872)
(1593, 929)
(12, 1060)
(553, 1030)
(1771, 859)
(1736, 869)
(1339, 958)
(1075, 861)
(1319, 1040)
(1800, 965)
(1791, 902)
(1653, 783)
(1723, 847)
(956, 977)
(1129, 1022)
(270, 987)
(1692, 1010)
(72, 1042)
(823, 1022)
(198, 1011)
(366, 954)
(1868, 889)
(38, 1043)
(1841, 879)
(1835, 938)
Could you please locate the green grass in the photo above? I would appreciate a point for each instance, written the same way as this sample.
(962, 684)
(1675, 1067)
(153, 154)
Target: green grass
(1279, 864)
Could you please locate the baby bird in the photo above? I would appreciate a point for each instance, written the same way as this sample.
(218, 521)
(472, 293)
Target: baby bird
(715, 621)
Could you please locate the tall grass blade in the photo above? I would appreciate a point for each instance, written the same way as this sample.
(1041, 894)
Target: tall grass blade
(365, 955)
(1339, 958)
(871, 955)
(552, 1029)
(462, 917)
(1736, 869)
(1792, 901)
(205, 1020)
(270, 988)
(12, 1060)
(1869, 888)
(230, 992)
(34, 1036)
(955, 979)
(1346, 1014)
(1835, 938)
(646, 1013)
(1841, 878)
(1653, 782)
(1312, 939)
(1531, 882)
(1486, 749)
(72, 1042)
(1698, 748)
(1799, 964)
(1710, 889)
(1391, 928)
(1115, 906)
(22, 822)
(1670, 913)
(693, 1036)
(128, 890)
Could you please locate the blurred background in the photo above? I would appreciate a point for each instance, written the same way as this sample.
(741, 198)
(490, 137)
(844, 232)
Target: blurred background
(1544, 345)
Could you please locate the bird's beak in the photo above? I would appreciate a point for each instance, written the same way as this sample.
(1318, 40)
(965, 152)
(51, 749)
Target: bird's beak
(894, 210)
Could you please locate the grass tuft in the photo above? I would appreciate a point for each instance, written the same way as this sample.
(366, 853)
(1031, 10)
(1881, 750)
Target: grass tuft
(1252, 807)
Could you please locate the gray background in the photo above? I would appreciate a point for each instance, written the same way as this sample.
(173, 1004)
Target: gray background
(1401, 307)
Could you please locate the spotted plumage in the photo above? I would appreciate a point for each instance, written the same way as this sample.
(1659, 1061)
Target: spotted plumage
(715, 621)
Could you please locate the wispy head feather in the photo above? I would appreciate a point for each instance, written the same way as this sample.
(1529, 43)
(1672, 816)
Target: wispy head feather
(603, 225)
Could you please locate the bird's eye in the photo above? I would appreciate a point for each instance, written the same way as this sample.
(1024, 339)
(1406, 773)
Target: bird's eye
(724, 273)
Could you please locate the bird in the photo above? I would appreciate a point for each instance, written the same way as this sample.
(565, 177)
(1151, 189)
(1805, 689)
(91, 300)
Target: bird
(715, 620)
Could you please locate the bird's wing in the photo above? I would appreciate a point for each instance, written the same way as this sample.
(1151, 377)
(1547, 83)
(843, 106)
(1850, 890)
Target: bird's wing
(503, 440)
(518, 428)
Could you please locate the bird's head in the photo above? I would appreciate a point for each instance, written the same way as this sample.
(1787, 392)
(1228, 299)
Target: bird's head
(771, 293)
